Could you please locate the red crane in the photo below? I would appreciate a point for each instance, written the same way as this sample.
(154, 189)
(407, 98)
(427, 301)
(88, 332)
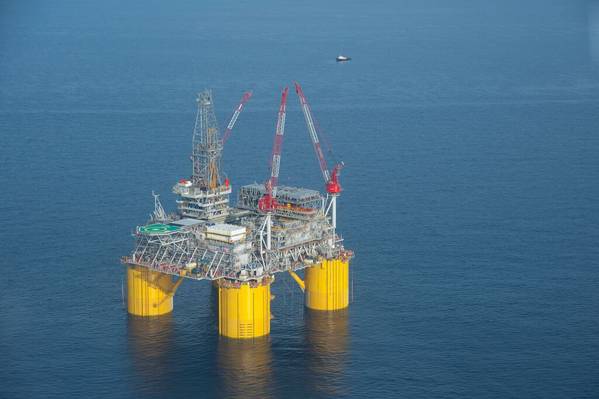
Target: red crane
(331, 179)
(246, 97)
(269, 202)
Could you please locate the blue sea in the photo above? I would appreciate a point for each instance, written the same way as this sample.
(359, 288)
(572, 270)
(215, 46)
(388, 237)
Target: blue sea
(470, 135)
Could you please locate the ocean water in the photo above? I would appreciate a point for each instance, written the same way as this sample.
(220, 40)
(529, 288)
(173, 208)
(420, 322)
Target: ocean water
(469, 130)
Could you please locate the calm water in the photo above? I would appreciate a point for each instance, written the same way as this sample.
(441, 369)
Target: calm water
(470, 134)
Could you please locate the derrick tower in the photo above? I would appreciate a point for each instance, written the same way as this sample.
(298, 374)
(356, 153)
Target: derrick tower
(207, 148)
(205, 196)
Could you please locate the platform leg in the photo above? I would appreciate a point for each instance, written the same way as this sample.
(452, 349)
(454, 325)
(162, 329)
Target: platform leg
(244, 308)
(149, 293)
(327, 285)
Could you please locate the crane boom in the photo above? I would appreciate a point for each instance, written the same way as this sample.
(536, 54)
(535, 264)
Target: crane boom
(331, 179)
(313, 135)
(246, 97)
(268, 202)
(278, 144)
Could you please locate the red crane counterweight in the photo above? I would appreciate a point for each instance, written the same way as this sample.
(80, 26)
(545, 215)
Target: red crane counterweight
(332, 186)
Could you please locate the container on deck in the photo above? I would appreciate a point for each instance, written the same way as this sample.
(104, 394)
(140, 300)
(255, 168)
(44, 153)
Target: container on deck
(229, 233)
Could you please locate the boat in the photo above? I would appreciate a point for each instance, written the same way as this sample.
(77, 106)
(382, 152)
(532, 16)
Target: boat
(342, 58)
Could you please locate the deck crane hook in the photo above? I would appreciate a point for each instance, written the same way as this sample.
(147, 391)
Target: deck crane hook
(331, 179)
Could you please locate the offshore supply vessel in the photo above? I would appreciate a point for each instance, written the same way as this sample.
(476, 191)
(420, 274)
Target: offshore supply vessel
(240, 248)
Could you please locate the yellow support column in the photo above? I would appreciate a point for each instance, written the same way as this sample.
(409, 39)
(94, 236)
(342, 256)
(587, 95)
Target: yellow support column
(327, 285)
(149, 293)
(244, 308)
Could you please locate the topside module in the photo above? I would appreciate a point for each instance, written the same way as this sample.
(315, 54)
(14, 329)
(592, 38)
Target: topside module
(272, 229)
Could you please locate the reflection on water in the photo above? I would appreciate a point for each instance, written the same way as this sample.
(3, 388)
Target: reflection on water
(327, 336)
(150, 342)
(238, 368)
(214, 303)
(245, 368)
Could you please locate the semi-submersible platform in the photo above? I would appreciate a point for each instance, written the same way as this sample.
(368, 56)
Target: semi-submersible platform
(240, 248)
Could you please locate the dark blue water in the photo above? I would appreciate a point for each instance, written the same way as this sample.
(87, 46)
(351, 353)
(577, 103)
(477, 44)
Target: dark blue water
(470, 134)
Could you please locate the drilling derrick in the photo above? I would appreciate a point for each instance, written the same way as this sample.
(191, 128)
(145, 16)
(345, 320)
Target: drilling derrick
(204, 196)
(207, 148)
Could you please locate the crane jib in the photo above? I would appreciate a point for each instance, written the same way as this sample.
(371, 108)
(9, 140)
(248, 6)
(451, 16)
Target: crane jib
(234, 119)
(275, 163)
(246, 97)
(313, 134)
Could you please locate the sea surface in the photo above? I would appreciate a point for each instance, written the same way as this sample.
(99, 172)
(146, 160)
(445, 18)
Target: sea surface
(470, 134)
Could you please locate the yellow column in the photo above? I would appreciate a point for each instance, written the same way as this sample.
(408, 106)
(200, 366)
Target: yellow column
(327, 285)
(244, 308)
(149, 293)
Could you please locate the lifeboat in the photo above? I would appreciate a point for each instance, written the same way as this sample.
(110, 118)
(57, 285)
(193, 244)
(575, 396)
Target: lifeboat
(185, 183)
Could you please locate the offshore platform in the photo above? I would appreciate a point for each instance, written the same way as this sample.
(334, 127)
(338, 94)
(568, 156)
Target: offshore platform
(240, 248)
